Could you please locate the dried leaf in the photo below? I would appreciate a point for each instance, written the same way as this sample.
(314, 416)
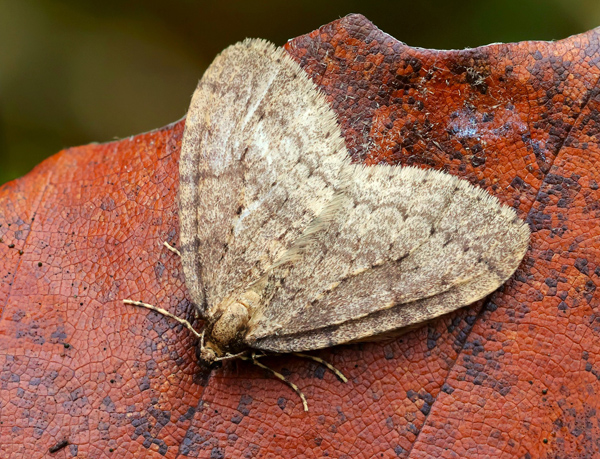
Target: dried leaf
(513, 376)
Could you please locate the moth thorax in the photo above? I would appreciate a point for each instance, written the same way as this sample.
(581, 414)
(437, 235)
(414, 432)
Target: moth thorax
(228, 327)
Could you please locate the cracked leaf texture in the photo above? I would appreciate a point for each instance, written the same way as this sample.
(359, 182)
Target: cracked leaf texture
(514, 376)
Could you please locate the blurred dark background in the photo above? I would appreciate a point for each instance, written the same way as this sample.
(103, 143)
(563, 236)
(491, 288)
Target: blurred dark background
(76, 71)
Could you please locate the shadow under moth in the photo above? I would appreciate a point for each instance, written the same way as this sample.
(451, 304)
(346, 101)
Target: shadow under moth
(287, 246)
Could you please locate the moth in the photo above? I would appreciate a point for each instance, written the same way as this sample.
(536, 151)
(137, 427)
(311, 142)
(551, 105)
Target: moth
(287, 246)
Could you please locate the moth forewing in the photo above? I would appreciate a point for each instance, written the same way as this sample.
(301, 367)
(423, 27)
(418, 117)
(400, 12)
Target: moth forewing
(263, 169)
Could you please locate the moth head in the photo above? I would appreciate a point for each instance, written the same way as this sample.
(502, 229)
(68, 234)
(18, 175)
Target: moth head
(205, 352)
(207, 355)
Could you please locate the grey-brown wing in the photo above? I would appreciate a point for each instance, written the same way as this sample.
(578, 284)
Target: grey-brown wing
(260, 158)
(407, 246)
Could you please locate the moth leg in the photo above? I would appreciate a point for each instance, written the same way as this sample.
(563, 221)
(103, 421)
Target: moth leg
(333, 369)
(280, 377)
(172, 249)
(166, 314)
(231, 356)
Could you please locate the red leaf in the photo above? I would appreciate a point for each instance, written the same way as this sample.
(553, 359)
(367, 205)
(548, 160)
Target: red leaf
(515, 376)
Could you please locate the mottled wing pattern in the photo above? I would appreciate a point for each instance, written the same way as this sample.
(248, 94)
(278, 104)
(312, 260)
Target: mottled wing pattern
(408, 245)
(260, 158)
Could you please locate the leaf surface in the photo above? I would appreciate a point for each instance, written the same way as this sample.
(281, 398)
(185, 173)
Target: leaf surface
(516, 375)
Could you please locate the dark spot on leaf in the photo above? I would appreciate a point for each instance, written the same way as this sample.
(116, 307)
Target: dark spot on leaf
(319, 372)
(60, 445)
(432, 337)
(243, 405)
(388, 352)
(477, 161)
(447, 389)
(517, 183)
(281, 403)
(582, 265)
(550, 282)
(217, 453)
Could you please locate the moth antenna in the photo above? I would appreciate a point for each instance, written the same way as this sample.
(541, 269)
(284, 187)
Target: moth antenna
(172, 249)
(333, 369)
(167, 314)
(280, 377)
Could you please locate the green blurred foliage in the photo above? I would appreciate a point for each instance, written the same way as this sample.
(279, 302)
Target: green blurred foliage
(77, 71)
